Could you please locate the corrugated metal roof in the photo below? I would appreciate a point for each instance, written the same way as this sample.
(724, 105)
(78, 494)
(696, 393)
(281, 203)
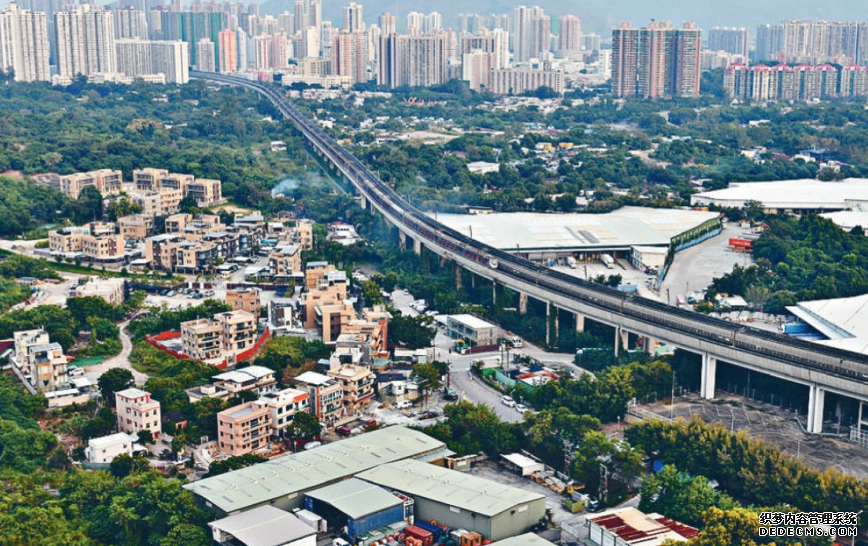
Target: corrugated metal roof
(264, 526)
(305, 470)
(356, 498)
(449, 487)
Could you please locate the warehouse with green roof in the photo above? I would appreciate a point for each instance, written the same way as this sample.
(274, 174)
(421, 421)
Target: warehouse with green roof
(459, 500)
(282, 482)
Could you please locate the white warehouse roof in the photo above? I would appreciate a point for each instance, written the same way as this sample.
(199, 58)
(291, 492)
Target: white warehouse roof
(621, 229)
(843, 320)
(806, 193)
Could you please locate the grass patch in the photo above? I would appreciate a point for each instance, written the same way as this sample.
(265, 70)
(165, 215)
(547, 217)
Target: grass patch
(88, 361)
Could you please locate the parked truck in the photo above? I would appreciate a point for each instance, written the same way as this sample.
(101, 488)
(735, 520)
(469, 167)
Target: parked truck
(572, 262)
(608, 260)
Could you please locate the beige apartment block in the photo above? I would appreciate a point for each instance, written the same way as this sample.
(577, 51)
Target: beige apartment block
(201, 339)
(105, 181)
(238, 330)
(244, 299)
(136, 226)
(111, 290)
(205, 191)
(146, 179)
(357, 382)
(285, 260)
(43, 360)
(243, 429)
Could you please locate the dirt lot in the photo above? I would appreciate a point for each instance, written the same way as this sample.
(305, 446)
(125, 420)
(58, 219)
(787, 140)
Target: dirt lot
(771, 424)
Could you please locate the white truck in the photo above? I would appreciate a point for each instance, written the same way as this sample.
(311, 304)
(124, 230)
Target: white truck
(608, 260)
(571, 262)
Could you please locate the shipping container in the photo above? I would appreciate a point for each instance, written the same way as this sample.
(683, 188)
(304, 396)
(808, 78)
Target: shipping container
(417, 532)
(740, 243)
(435, 530)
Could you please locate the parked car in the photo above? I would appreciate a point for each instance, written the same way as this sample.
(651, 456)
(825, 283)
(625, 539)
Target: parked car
(343, 430)
(163, 292)
(368, 423)
(171, 293)
(403, 404)
(429, 415)
(521, 408)
(508, 401)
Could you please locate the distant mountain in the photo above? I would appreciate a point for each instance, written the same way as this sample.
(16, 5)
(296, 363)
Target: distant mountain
(601, 15)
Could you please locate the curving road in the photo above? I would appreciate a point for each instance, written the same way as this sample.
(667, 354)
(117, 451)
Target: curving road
(121, 360)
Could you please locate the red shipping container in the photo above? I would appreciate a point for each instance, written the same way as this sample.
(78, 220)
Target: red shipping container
(741, 243)
(426, 537)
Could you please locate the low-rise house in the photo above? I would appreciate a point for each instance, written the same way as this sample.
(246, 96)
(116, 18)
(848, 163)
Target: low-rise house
(136, 412)
(282, 406)
(258, 379)
(243, 429)
(105, 448)
(326, 396)
(113, 290)
(357, 383)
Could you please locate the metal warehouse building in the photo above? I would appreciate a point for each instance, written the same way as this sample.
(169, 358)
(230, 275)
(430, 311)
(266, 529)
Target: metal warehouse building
(282, 482)
(493, 510)
(360, 506)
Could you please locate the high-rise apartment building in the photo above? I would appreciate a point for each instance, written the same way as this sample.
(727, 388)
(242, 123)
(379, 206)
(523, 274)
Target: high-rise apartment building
(85, 41)
(769, 42)
(495, 43)
(731, 40)
(131, 23)
(656, 61)
(541, 35)
(413, 60)
(387, 24)
(24, 45)
(415, 22)
(353, 18)
(570, 36)
(228, 45)
(625, 60)
(476, 68)
(207, 57)
(349, 56)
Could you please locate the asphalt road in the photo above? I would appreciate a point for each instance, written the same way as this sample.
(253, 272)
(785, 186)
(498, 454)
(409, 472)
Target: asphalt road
(469, 387)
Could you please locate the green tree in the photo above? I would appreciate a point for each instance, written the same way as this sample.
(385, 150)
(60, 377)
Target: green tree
(112, 381)
(411, 332)
(146, 437)
(304, 425)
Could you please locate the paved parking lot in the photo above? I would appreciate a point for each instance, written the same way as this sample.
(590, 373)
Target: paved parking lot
(771, 424)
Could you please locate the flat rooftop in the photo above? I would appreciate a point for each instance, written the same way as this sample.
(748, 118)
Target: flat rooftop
(470, 321)
(620, 229)
(356, 498)
(264, 526)
(789, 194)
(307, 470)
(458, 489)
